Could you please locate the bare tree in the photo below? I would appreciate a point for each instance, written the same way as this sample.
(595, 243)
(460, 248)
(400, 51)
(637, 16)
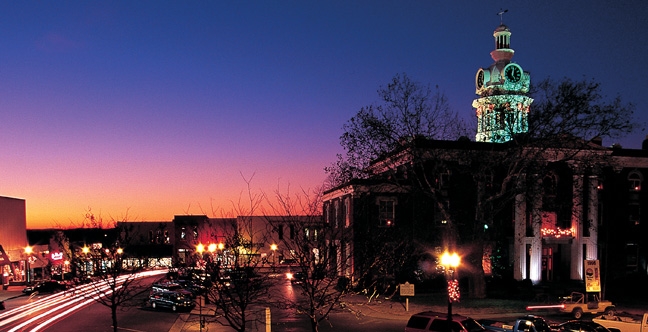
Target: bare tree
(104, 269)
(240, 283)
(319, 260)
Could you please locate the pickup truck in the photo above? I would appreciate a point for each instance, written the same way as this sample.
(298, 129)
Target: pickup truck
(527, 323)
(623, 324)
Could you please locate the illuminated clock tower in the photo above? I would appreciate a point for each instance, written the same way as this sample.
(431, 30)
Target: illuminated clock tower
(502, 107)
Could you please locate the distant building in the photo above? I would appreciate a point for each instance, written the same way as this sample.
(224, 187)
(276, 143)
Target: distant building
(13, 240)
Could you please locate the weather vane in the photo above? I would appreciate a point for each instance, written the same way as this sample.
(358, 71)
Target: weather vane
(501, 13)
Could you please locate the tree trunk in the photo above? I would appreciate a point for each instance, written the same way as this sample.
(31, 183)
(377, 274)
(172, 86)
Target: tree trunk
(477, 285)
(113, 313)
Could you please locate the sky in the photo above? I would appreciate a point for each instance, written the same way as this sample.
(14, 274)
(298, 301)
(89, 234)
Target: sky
(142, 110)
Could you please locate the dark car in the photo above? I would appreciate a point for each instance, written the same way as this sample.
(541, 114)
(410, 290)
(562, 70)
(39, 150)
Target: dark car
(50, 286)
(171, 287)
(579, 326)
(296, 277)
(171, 300)
(437, 321)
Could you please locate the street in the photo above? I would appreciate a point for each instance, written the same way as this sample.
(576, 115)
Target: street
(70, 311)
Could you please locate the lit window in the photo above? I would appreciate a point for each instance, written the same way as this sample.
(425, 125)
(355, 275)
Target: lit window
(634, 180)
(386, 212)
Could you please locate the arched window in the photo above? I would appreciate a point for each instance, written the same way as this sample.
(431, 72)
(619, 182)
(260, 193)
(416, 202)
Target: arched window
(549, 184)
(634, 181)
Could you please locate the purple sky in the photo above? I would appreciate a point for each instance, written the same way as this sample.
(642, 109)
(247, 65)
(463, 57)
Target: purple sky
(155, 108)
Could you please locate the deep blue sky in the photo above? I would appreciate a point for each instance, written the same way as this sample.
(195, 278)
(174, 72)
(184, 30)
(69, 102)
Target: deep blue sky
(156, 108)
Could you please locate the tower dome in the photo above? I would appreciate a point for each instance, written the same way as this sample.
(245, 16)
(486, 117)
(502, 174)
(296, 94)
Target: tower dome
(502, 51)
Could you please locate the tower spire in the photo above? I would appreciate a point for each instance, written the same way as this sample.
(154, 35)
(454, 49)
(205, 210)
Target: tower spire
(501, 14)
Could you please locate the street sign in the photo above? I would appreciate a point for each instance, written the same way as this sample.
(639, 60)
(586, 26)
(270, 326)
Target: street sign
(407, 289)
(592, 276)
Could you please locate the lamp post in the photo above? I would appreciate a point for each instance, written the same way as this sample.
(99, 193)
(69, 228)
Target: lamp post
(273, 247)
(28, 252)
(200, 248)
(450, 262)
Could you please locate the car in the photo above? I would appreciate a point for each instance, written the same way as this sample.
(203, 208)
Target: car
(437, 321)
(171, 300)
(173, 287)
(296, 277)
(49, 286)
(579, 326)
(578, 303)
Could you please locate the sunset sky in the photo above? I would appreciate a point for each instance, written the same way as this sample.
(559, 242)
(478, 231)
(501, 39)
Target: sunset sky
(149, 109)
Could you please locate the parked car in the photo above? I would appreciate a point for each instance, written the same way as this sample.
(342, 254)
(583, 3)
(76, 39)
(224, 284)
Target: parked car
(623, 323)
(580, 326)
(171, 287)
(437, 321)
(528, 323)
(49, 286)
(171, 300)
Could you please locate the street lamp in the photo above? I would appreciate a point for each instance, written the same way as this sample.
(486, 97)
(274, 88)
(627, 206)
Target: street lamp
(28, 252)
(273, 247)
(200, 248)
(450, 262)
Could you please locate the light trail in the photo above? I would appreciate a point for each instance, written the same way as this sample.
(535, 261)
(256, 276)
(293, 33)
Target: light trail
(552, 306)
(56, 306)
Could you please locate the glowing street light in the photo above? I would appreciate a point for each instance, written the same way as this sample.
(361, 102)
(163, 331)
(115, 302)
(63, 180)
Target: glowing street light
(28, 251)
(273, 247)
(450, 262)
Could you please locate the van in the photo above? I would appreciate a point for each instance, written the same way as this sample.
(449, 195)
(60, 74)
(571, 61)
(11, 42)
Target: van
(437, 321)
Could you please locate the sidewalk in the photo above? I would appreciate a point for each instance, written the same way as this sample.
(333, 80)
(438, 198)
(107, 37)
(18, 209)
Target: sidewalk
(11, 292)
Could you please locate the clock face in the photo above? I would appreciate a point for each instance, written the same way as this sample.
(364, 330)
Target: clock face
(479, 80)
(513, 73)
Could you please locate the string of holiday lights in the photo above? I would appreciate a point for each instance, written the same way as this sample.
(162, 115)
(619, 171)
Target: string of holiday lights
(453, 290)
(557, 232)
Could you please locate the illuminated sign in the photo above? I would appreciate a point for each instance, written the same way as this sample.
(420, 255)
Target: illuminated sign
(592, 276)
(56, 256)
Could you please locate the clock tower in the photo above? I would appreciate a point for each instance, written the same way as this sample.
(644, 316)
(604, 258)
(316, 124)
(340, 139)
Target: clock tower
(502, 107)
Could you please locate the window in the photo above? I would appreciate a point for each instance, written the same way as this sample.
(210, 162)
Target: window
(386, 212)
(634, 212)
(634, 181)
(549, 185)
(444, 180)
(280, 231)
